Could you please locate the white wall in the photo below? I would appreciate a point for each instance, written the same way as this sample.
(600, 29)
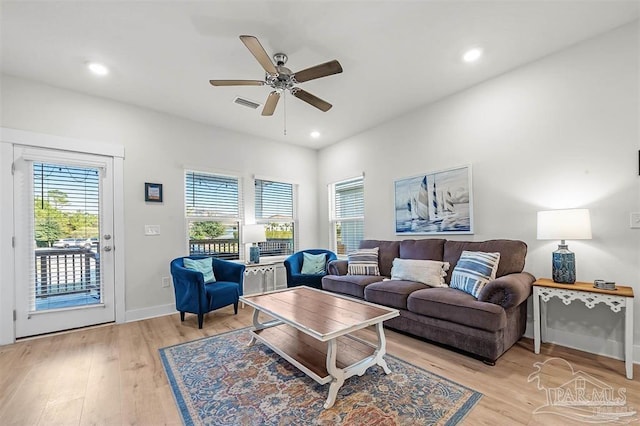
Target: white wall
(561, 132)
(157, 149)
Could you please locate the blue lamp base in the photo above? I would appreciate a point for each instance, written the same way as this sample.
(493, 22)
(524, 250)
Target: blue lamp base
(254, 254)
(564, 265)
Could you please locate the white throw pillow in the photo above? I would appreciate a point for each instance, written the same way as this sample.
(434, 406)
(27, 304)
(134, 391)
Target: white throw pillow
(429, 272)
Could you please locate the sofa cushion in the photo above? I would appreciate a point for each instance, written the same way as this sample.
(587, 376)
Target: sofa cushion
(427, 249)
(429, 272)
(457, 306)
(389, 250)
(474, 270)
(351, 285)
(512, 254)
(363, 262)
(392, 293)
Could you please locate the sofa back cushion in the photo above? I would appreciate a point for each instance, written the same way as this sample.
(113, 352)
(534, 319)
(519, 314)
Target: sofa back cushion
(426, 249)
(512, 254)
(389, 250)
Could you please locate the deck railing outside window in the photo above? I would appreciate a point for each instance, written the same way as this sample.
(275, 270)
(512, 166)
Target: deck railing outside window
(66, 270)
(229, 249)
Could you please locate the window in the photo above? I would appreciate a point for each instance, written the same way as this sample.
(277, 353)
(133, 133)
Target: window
(213, 212)
(66, 222)
(346, 201)
(274, 209)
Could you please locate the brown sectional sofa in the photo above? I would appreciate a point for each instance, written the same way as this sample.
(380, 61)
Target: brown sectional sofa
(486, 326)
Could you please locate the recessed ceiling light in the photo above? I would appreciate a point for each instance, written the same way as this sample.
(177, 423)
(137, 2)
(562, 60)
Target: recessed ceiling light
(472, 55)
(315, 134)
(97, 68)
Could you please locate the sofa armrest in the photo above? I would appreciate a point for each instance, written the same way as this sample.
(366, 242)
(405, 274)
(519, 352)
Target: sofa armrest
(509, 290)
(338, 267)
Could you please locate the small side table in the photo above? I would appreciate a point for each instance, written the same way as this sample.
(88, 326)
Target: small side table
(544, 289)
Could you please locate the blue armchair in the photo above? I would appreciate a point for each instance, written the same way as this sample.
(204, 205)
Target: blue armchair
(196, 297)
(293, 266)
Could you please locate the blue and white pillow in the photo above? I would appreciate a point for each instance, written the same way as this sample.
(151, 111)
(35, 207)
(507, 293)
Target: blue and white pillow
(474, 270)
(363, 262)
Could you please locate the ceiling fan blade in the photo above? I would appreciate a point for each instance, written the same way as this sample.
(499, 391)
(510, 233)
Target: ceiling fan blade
(236, 82)
(311, 99)
(260, 54)
(322, 70)
(270, 105)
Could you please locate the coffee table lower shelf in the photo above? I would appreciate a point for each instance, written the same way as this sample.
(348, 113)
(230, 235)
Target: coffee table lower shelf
(313, 330)
(310, 355)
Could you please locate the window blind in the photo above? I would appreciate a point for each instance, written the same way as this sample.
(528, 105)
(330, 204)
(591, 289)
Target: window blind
(348, 214)
(213, 205)
(274, 200)
(274, 203)
(66, 229)
(209, 195)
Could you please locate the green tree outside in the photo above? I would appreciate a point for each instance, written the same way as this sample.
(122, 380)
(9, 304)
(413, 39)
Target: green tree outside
(206, 230)
(52, 223)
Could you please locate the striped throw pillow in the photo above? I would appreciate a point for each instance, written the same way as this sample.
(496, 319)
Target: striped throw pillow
(474, 270)
(363, 262)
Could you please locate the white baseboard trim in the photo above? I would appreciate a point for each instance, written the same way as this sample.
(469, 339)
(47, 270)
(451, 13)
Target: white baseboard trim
(151, 312)
(609, 348)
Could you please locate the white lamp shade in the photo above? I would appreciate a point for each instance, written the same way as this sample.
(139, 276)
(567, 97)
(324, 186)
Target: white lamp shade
(572, 224)
(253, 234)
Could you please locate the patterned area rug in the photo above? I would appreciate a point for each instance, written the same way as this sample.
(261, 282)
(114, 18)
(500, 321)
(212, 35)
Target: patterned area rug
(219, 380)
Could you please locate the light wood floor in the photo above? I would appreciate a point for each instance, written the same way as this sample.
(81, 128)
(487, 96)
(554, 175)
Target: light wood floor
(111, 375)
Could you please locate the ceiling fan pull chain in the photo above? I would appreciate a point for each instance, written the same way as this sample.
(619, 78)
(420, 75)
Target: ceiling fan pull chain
(284, 98)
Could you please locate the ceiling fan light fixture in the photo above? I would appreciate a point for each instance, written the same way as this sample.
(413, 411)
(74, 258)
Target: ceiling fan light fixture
(315, 134)
(472, 55)
(281, 79)
(97, 68)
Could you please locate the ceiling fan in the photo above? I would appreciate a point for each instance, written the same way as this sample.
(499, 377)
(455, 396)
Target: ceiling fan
(281, 78)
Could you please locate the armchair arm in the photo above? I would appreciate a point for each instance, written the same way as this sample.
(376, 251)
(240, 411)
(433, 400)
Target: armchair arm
(338, 267)
(509, 290)
(188, 286)
(225, 270)
(293, 264)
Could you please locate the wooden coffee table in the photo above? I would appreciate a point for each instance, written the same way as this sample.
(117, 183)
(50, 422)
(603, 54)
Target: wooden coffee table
(311, 329)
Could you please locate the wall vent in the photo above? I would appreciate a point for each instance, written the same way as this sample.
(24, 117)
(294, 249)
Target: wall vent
(246, 102)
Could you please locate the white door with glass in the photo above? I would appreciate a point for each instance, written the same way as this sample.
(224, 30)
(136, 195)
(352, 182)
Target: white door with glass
(63, 240)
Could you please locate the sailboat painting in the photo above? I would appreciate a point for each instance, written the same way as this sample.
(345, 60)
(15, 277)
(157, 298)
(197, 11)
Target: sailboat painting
(435, 203)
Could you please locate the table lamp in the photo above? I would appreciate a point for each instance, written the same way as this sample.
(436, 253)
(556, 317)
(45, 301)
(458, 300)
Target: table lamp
(253, 234)
(572, 224)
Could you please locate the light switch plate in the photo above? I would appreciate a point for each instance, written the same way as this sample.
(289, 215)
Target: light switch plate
(635, 220)
(152, 230)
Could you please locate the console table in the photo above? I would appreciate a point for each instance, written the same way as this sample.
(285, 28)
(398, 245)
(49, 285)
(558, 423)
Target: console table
(263, 268)
(544, 289)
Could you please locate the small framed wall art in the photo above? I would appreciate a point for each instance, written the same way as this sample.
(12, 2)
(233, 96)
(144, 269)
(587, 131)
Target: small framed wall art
(153, 192)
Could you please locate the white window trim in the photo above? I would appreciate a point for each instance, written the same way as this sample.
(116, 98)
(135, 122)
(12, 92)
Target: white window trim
(223, 219)
(296, 238)
(331, 190)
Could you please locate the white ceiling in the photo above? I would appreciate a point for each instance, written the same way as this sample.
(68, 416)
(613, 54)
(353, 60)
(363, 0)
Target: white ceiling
(396, 55)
